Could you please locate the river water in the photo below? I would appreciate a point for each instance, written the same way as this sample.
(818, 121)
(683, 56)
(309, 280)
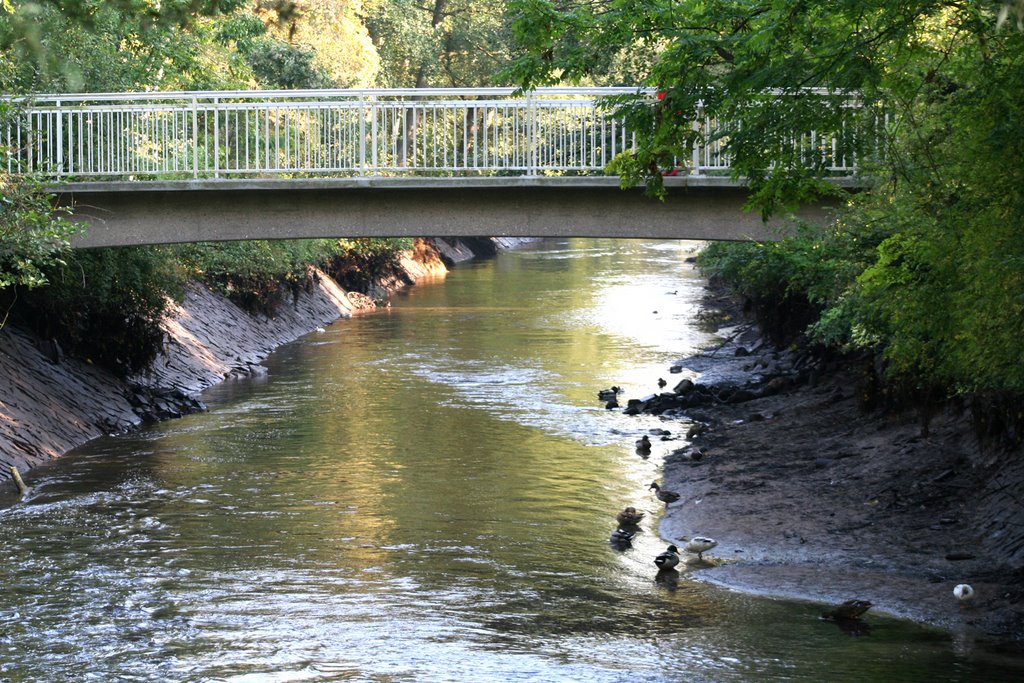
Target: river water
(423, 493)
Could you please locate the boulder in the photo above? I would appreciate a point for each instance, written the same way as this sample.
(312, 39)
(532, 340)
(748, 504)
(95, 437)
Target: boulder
(684, 387)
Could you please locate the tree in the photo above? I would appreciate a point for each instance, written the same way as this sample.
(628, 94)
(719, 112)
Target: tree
(926, 269)
(439, 43)
(333, 31)
(71, 45)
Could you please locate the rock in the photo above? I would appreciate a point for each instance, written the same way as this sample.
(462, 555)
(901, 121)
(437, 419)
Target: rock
(741, 351)
(959, 556)
(675, 369)
(741, 395)
(684, 387)
(774, 386)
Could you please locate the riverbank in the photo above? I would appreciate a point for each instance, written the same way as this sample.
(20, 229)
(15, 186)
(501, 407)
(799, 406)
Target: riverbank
(810, 497)
(50, 404)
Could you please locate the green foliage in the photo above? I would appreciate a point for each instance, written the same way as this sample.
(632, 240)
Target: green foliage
(254, 274)
(257, 275)
(359, 262)
(745, 65)
(281, 65)
(104, 305)
(926, 269)
(242, 30)
(33, 238)
(439, 43)
(74, 45)
(799, 285)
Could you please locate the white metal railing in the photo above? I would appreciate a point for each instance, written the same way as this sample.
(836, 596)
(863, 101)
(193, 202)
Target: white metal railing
(460, 131)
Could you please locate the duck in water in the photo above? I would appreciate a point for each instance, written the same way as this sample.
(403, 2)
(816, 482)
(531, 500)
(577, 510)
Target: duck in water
(667, 559)
(629, 517)
(851, 609)
(622, 537)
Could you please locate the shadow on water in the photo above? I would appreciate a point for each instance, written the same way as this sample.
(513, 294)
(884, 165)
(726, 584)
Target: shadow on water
(423, 493)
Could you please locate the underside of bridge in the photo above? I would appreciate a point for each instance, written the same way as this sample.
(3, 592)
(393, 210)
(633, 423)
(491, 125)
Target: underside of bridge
(162, 212)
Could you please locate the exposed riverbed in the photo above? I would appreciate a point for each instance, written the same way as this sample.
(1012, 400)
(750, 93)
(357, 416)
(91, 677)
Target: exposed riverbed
(420, 493)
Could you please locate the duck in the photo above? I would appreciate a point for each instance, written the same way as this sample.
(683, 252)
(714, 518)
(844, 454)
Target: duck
(661, 383)
(668, 559)
(643, 443)
(608, 394)
(664, 495)
(622, 536)
(964, 593)
(700, 545)
(629, 517)
(851, 609)
(697, 429)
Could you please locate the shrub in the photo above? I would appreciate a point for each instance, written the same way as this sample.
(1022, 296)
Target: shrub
(104, 305)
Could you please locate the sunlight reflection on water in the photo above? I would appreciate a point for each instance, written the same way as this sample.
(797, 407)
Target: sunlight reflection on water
(420, 494)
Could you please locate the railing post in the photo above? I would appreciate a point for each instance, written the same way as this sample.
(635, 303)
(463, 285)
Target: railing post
(531, 135)
(362, 134)
(195, 137)
(60, 141)
(698, 123)
(216, 137)
(373, 138)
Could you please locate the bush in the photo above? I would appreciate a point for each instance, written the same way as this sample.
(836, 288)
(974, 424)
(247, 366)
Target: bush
(254, 274)
(358, 264)
(33, 237)
(257, 275)
(104, 305)
(799, 285)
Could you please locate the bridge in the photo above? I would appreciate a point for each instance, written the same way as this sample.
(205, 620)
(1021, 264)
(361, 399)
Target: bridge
(151, 168)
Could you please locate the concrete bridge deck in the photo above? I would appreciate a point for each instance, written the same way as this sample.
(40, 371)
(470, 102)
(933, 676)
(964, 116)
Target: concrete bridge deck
(162, 212)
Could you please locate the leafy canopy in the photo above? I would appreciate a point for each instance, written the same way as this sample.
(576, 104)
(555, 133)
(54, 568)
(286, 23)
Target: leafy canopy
(925, 269)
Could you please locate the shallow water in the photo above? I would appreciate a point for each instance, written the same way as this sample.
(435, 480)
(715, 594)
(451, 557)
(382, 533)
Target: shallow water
(423, 493)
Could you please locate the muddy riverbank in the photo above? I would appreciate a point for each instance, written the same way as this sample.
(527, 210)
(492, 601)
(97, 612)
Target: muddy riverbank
(811, 497)
(50, 404)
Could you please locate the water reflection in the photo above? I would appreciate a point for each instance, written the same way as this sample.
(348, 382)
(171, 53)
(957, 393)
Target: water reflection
(424, 493)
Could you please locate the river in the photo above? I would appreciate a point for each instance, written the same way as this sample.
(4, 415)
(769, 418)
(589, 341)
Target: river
(422, 493)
